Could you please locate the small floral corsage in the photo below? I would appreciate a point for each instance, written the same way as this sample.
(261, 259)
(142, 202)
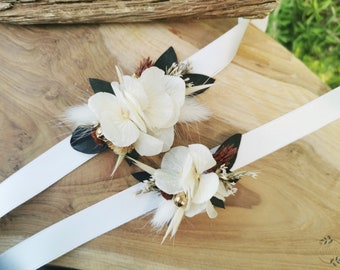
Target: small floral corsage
(191, 180)
(138, 113)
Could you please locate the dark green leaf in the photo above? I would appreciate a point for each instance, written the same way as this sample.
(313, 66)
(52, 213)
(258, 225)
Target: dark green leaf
(165, 61)
(83, 141)
(217, 202)
(100, 86)
(134, 154)
(227, 152)
(141, 176)
(197, 79)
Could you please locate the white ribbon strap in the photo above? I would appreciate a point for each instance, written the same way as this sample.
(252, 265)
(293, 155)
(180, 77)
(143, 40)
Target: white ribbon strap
(288, 128)
(108, 214)
(77, 229)
(62, 159)
(218, 54)
(32, 179)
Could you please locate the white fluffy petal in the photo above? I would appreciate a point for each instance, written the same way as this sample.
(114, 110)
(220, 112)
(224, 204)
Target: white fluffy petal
(168, 182)
(202, 157)
(81, 115)
(193, 111)
(147, 145)
(208, 186)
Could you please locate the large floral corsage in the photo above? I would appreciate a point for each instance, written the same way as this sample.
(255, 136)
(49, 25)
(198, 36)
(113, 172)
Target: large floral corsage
(139, 112)
(191, 180)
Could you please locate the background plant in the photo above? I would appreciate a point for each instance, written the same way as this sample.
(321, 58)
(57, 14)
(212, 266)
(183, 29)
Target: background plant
(311, 30)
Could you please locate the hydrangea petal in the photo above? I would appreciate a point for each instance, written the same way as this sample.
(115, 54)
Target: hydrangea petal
(208, 186)
(152, 80)
(115, 87)
(175, 87)
(202, 157)
(167, 181)
(179, 163)
(166, 135)
(212, 213)
(118, 90)
(164, 101)
(108, 108)
(173, 160)
(194, 209)
(102, 101)
(130, 104)
(189, 177)
(147, 145)
(135, 88)
(221, 192)
(121, 133)
(160, 113)
(135, 112)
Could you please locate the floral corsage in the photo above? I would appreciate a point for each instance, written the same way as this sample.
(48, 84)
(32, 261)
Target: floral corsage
(191, 180)
(139, 112)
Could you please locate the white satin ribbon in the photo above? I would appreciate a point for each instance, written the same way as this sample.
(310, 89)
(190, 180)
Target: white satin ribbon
(34, 177)
(108, 214)
(288, 128)
(218, 54)
(77, 229)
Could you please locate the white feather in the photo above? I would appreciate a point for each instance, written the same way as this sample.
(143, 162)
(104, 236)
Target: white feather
(80, 115)
(174, 224)
(164, 213)
(193, 111)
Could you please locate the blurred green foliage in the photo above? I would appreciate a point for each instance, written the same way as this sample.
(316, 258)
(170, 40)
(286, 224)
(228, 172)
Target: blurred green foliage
(311, 30)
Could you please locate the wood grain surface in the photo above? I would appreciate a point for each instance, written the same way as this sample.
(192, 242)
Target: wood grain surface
(105, 11)
(273, 222)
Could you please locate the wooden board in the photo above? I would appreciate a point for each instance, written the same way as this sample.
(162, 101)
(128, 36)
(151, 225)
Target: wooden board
(106, 11)
(274, 222)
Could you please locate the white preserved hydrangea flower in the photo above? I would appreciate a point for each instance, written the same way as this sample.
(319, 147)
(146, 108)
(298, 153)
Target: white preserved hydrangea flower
(142, 112)
(183, 173)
